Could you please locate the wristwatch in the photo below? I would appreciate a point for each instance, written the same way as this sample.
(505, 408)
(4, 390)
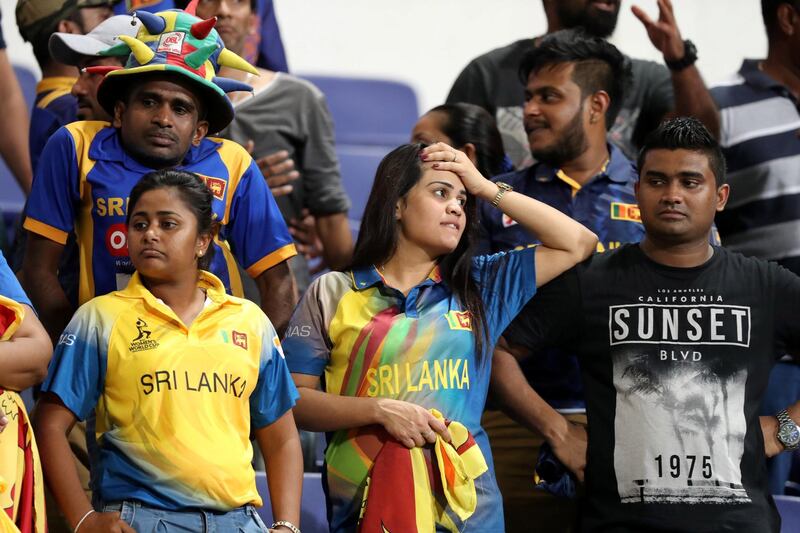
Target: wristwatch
(502, 189)
(688, 59)
(788, 432)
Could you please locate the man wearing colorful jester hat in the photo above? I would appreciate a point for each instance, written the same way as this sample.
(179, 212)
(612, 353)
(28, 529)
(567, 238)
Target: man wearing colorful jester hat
(164, 102)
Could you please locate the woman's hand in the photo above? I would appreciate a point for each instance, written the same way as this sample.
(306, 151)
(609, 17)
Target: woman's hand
(445, 157)
(409, 423)
(105, 523)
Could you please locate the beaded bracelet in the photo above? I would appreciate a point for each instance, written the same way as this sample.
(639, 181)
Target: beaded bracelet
(285, 523)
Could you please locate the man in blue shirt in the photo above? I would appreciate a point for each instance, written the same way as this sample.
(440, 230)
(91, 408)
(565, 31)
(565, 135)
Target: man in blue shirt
(574, 88)
(37, 21)
(163, 104)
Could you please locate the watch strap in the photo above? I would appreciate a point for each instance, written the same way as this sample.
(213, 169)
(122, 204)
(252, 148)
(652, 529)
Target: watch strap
(502, 188)
(689, 57)
(783, 420)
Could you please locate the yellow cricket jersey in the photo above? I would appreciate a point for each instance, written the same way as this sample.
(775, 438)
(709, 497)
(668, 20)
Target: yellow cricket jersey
(174, 405)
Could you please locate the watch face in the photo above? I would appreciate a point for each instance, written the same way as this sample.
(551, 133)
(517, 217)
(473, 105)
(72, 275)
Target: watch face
(789, 434)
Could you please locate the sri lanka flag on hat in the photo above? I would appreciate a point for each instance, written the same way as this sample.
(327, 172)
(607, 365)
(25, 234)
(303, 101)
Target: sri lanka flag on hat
(177, 42)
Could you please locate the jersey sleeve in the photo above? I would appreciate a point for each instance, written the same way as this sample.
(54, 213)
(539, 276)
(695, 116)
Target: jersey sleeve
(275, 392)
(9, 285)
(307, 344)
(507, 280)
(319, 167)
(78, 369)
(50, 210)
(256, 230)
(549, 316)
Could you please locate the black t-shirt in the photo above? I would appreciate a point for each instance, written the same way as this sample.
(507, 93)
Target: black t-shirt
(674, 363)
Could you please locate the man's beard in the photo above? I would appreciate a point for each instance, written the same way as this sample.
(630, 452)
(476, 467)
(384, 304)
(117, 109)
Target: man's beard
(567, 147)
(596, 23)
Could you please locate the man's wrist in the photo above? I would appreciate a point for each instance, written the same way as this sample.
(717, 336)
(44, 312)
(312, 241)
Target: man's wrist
(675, 52)
(769, 427)
(554, 427)
(788, 433)
(686, 59)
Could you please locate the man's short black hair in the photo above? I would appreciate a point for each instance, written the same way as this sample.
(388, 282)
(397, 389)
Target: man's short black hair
(685, 133)
(769, 11)
(599, 66)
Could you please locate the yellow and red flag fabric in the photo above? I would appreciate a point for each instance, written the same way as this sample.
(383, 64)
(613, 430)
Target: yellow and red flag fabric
(21, 484)
(408, 490)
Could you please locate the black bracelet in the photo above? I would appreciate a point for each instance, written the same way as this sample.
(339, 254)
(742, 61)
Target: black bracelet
(688, 59)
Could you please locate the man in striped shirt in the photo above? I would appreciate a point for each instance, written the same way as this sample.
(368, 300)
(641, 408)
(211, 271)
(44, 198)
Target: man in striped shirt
(759, 133)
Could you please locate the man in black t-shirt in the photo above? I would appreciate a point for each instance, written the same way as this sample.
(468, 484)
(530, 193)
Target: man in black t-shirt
(676, 339)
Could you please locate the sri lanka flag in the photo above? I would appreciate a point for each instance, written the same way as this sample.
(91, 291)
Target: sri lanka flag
(21, 483)
(413, 491)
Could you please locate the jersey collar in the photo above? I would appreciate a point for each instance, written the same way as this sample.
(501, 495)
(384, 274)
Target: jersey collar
(364, 278)
(214, 288)
(108, 147)
(617, 169)
(756, 77)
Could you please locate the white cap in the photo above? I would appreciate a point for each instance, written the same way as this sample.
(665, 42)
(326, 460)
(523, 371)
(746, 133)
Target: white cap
(70, 48)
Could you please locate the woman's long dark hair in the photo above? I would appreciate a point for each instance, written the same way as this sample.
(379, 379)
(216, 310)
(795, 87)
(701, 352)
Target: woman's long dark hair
(194, 193)
(468, 123)
(377, 240)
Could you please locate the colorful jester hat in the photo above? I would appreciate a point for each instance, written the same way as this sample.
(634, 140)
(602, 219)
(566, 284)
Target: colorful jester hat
(178, 42)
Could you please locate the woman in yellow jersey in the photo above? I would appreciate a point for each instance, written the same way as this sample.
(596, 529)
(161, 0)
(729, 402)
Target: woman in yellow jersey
(179, 375)
(410, 329)
(24, 353)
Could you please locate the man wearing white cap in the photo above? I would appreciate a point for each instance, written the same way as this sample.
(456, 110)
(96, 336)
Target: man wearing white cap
(82, 51)
(79, 50)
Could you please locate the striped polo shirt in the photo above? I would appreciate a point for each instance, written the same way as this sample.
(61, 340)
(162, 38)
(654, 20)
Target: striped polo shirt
(760, 124)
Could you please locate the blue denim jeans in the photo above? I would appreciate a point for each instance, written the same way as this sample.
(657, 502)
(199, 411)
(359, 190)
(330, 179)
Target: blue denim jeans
(146, 519)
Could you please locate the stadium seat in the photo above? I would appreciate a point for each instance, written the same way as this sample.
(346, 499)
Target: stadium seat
(371, 117)
(358, 164)
(789, 508)
(27, 80)
(369, 111)
(313, 512)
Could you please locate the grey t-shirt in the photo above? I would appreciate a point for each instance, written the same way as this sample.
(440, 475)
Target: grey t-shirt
(291, 114)
(492, 82)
